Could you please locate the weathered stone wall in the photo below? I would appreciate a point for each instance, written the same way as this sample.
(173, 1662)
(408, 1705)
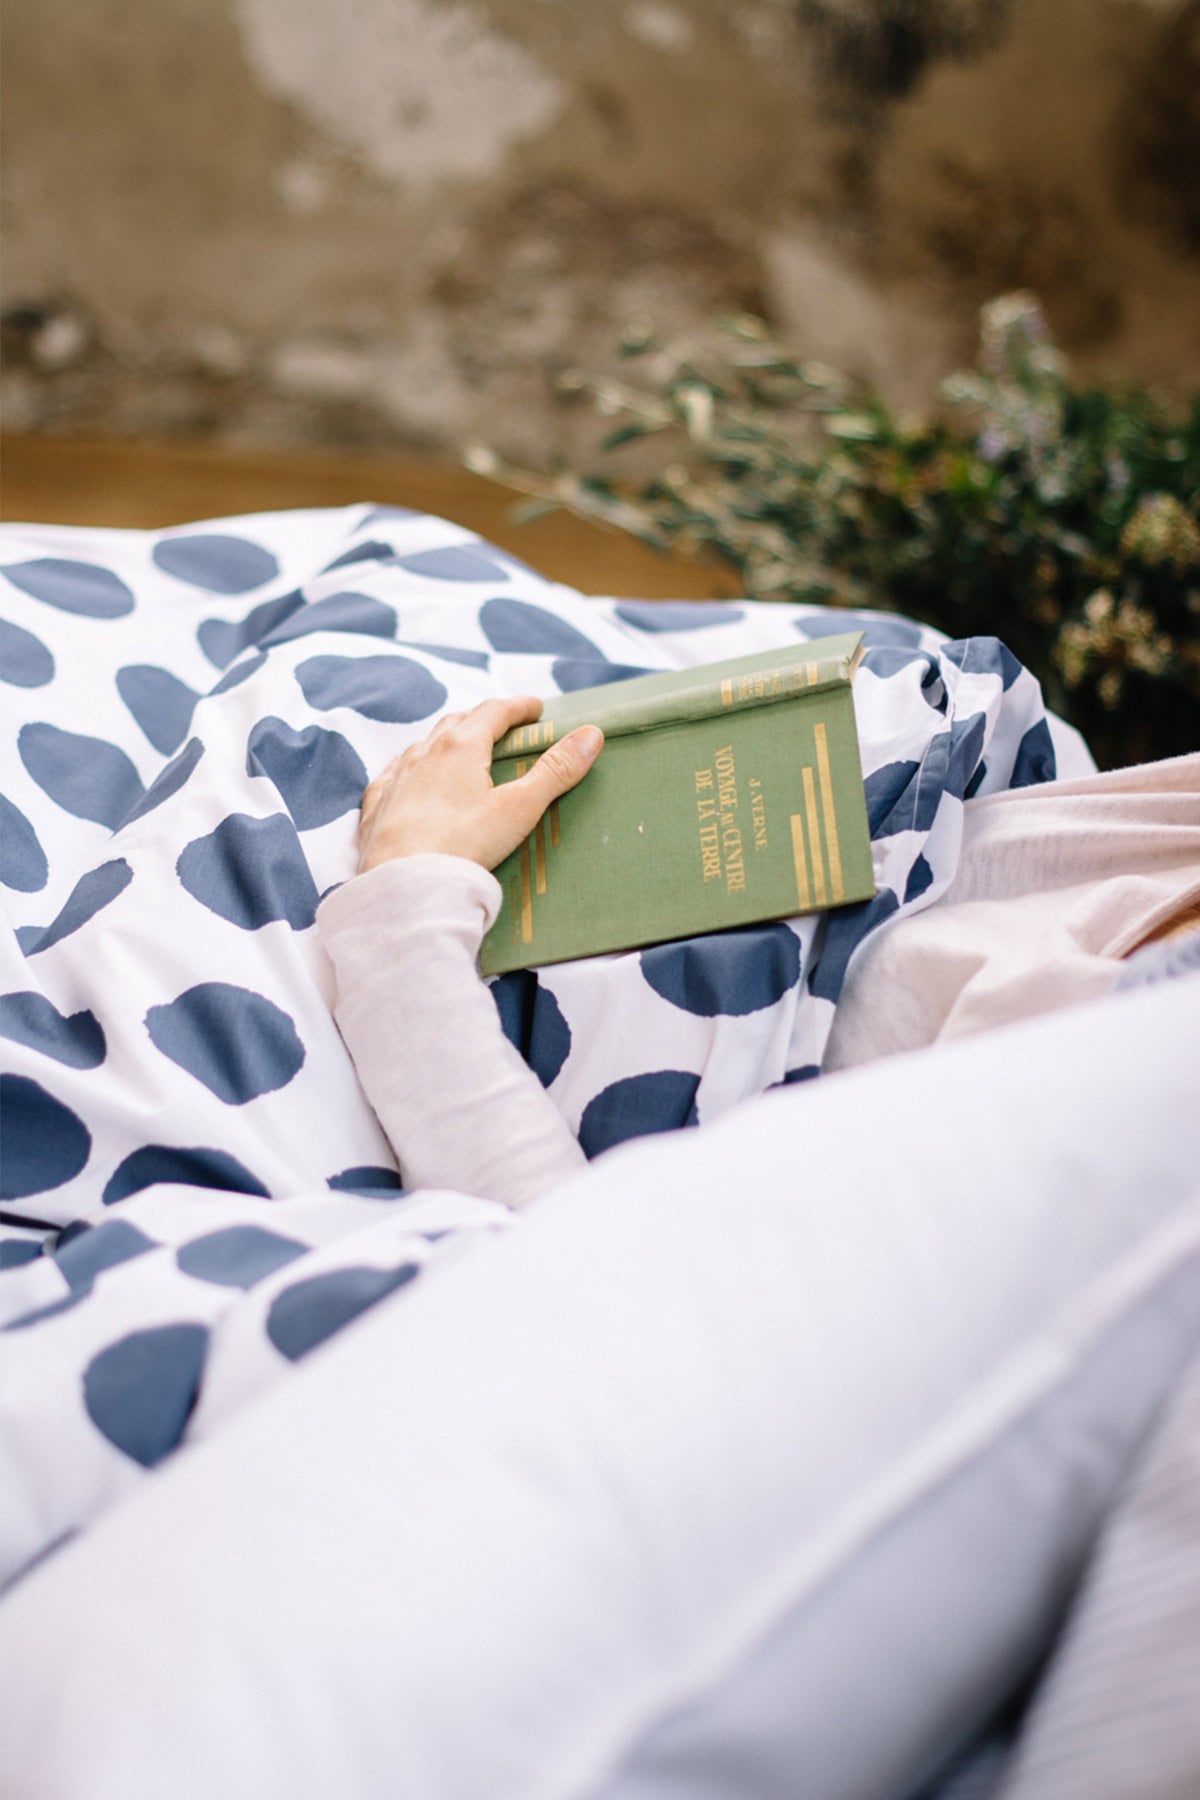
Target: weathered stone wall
(391, 222)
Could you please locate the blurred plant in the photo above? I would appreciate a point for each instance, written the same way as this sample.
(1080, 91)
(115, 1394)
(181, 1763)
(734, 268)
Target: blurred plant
(1063, 519)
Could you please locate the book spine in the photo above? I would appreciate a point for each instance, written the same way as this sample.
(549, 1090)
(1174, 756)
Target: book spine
(707, 697)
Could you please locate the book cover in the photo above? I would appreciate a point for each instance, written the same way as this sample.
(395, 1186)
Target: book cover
(724, 795)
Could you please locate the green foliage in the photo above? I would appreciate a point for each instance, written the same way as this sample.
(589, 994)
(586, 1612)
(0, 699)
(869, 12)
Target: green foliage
(1062, 519)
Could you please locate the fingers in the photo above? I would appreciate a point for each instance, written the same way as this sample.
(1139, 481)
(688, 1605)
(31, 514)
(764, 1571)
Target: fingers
(555, 772)
(488, 722)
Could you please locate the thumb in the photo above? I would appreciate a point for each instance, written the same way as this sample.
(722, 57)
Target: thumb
(556, 771)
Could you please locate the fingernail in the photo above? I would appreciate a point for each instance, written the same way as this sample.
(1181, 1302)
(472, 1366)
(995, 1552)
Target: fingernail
(588, 740)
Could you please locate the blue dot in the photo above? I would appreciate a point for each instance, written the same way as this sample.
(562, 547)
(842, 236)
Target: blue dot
(45, 1143)
(887, 660)
(308, 1312)
(88, 777)
(372, 551)
(170, 778)
(100, 1247)
(237, 1043)
(24, 659)
(356, 613)
(240, 672)
(251, 872)
(1035, 760)
(74, 587)
(571, 674)
(14, 1254)
(531, 1020)
(808, 1072)
(140, 1391)
(845, 929)
(677, 615)
(161, 704)
(223, 639)
(879, 631)
(319, 775)
(237, 1255)
(518, 626)
(73, 1299)
(731, 972)
(662, 1100)
(395, 690)
(197, 1167)
(455, 562)
(90, 895)
(984, 656)
(470, 659)
(215, 562)
(366, 1179)
(75, 1039)
(920, 879)
(891, 797)
(23, 865)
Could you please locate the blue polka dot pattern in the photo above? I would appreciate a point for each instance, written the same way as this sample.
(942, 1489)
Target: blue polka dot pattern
(90, 895)
(23, 865)
(251, 872)
(572, 674)
(879, 631)
(14, 1254)
(88, 777)
(677, 615)
(308, 1312)
(366, 1179)
(1035, 759)
(528, 630)
(75, 587)
(197, 1167)
(45, 1143)
(140, 1391)
(845, 930)
(318, 773)
(237, 1255)
(394, 690)
(223, 639)
(356, 613)
(732, 972)
(637, 1106)
(240, 672)
(469, 659)
(372, 551)
(216, 562)
(89, 1253)
(24, 659)
(455, 562)
(920, 880)
(532, 1021)
(168, 781)
(160, 702)
(237, 1043)
(984, 656)
(76, 1039)
(807, 1072)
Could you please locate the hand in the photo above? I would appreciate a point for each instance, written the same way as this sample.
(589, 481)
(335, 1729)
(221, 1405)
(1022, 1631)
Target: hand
(438, 795)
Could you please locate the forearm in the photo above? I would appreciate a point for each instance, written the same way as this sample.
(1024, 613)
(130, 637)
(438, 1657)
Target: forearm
(459, 1105)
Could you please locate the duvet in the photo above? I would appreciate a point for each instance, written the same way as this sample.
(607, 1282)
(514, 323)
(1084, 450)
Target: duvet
(195, 1193)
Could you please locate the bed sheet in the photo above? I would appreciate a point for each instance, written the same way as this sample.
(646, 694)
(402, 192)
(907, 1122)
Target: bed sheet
(195, 1190)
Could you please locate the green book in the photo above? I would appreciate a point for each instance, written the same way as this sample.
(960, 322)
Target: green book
(724, 795)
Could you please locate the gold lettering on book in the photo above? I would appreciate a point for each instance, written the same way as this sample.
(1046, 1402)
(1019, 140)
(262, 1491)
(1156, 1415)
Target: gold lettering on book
(758, 813)
(726, 780)
(814, 837)
(525, 879)
(802, 887)
(554, 833)
(735, 871)
(539, 855)
(710, 850)
(727, 692)
(813, 673)
(832, 847)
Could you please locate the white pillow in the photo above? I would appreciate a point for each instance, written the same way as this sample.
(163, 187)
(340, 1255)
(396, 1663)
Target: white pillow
(760, 1459)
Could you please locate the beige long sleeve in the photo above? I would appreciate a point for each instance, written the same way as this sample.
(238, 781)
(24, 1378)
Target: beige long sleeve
(457, 1102)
